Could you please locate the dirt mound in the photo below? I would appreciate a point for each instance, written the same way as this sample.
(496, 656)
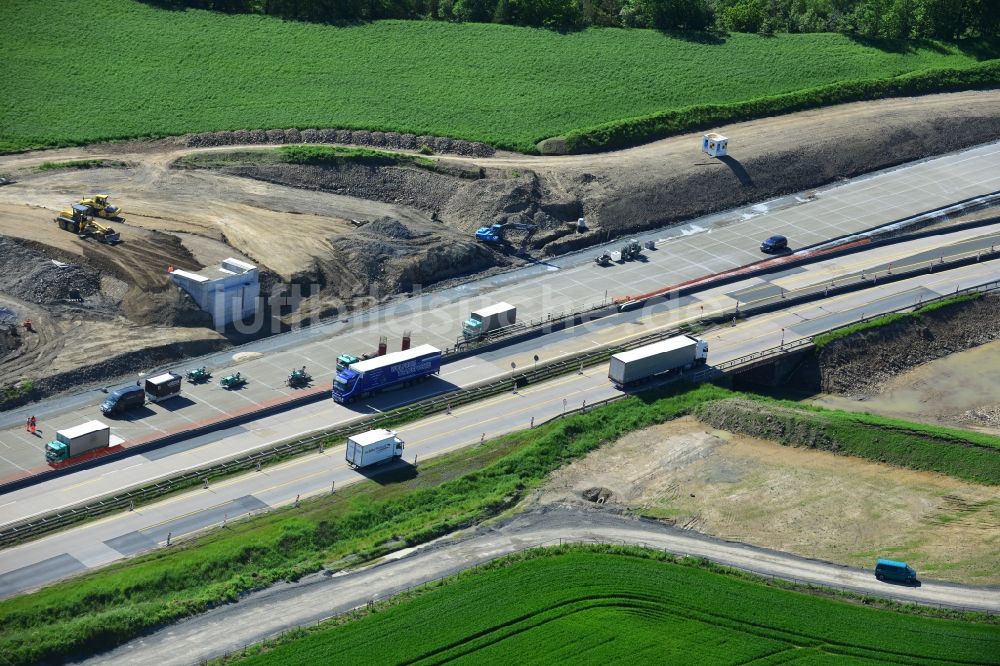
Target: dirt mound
(861, 364)
(387, 256)
(386, 227)
(386, 140)
(30, 275)
(597, 495)
(773, 423)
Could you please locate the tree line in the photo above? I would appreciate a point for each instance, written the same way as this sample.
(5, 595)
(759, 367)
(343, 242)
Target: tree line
(879, 19)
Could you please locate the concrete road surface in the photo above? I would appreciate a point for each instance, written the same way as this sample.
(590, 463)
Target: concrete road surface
(87, 485)
(565, 284)
(114, 537)
(264, 614)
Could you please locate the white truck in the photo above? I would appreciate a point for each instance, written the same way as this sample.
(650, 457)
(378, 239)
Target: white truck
(75, 441)
(163, 387)
(373, 447)
(488, 319)
(678, 353)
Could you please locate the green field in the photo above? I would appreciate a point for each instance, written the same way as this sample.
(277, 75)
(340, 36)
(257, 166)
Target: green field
(78, 71)
(585, 606)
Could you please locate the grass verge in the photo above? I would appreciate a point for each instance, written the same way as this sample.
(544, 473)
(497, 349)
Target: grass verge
(585, 604)
(80, 164)
(104, 608)
(824, 339)
(329, 156)
(198, 71)
(959, 453)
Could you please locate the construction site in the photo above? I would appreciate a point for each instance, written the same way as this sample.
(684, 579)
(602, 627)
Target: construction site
(97, 243)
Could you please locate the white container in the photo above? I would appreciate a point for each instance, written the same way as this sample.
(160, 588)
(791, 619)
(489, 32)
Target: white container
(83, 438)
(163, 387)
(682, 351)
(373, 447)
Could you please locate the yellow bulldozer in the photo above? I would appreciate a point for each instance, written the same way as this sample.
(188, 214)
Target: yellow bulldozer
(99, 206)
(77, 219)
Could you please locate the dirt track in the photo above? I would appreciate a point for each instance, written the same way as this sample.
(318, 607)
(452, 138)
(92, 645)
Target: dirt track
(812, 503)
(187, 218)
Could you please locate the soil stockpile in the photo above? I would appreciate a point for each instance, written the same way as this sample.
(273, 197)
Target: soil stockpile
(862, 364)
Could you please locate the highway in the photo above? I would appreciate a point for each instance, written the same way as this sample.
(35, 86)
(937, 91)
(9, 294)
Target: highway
(264, 614)
(111, 538)
(86, 485)
(565, 284)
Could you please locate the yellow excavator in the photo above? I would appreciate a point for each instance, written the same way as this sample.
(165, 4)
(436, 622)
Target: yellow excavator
(98, 206)
(77, 219)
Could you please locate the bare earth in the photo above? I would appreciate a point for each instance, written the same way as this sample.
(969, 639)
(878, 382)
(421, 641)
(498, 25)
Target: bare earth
(959, 390)
(811, 503)
(296, 224)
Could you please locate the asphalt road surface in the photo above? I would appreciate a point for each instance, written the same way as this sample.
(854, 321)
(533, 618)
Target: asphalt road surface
(229, 628)
(114, 537)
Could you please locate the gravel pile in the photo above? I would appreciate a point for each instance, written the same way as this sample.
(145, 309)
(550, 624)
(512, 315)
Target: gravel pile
(31, 276)
(387, 140)
(387, 227)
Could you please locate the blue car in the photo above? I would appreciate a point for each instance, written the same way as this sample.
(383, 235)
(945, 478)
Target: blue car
(774, 244)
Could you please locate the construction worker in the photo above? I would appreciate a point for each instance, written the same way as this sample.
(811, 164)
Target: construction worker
(27, 324)
(32, 424)
(27, 424)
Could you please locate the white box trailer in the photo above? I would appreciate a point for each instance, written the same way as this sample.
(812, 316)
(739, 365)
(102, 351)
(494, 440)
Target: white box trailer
(163, 387)
(636, 365)
(491, 318)
(373, 447)
(78, 440)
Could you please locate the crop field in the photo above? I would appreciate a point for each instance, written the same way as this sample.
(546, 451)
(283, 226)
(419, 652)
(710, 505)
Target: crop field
(79, 71)
(584, 606)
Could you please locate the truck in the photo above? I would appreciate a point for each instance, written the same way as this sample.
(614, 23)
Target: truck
(488, 319)
(365, 378)
(372, 447)
(163, 387)
(678, 353)
(75, 441)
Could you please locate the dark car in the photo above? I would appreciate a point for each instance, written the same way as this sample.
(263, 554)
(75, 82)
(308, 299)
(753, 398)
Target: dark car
(122, 399)
(774, 244)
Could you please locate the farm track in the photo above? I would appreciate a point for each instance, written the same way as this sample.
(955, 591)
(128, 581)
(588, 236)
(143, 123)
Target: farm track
(282, 607)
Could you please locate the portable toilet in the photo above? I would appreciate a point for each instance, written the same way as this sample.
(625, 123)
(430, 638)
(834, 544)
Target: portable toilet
(714, 144)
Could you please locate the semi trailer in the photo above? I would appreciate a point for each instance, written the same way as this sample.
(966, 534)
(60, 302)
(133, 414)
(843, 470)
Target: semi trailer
(75, 441)
(373, 447)
(678, 353)
(488, 319)
(365, 378)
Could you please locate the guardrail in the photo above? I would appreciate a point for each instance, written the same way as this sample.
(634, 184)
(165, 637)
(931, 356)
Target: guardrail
(126, 500)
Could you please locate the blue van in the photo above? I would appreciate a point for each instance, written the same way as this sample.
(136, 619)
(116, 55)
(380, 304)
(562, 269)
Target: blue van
(897, 572)
(122, 399)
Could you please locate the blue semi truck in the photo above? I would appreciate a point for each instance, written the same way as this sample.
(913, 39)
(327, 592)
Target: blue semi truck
(364, 378)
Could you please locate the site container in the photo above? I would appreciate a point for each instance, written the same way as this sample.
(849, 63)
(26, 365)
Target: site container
(78, 440)
(163, 387)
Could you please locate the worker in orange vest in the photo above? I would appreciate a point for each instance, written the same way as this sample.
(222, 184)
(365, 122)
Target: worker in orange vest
(32, 424)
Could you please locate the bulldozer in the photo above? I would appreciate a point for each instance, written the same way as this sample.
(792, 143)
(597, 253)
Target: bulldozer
(98, 206)
(77, 220)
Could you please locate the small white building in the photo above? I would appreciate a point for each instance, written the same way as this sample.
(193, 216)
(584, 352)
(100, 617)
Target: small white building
(229, 292)
(714, 144)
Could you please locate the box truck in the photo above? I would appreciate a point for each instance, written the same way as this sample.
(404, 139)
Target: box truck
(373, 447)
(365, 378)
(163, 387)
(488, 319)
(78, 440)
(677, 353)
